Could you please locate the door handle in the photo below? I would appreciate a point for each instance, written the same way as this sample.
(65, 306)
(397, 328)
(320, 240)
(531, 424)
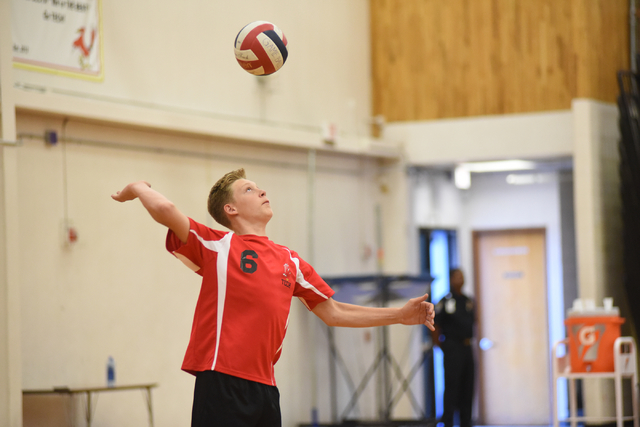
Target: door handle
(485, 344)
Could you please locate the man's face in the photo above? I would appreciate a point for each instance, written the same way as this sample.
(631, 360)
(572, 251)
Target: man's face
(250, 202)
(456, 281)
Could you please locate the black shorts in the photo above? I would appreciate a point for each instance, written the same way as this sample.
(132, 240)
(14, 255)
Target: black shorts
(222, 400)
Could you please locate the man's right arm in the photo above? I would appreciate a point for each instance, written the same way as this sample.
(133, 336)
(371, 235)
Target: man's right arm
(159, 207)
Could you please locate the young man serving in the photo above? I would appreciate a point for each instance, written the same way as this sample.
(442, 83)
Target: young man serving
(242, 312)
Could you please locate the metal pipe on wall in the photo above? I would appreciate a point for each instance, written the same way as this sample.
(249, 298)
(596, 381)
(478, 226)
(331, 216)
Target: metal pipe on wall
(311, 187)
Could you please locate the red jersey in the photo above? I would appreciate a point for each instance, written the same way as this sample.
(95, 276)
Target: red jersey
(242, 312)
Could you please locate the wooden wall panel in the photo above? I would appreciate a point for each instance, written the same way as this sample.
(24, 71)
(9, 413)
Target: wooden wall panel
(455, 58)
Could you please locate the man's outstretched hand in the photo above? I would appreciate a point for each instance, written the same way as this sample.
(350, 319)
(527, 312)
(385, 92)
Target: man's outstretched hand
(418, 311)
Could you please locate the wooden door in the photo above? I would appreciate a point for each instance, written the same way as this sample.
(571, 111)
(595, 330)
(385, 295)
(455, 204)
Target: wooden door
(511, 301)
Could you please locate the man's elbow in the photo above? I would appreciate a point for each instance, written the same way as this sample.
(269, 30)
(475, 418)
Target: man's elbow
(328, 314)
(331, 321)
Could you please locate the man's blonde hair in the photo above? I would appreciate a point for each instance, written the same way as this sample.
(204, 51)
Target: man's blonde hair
(221, 194)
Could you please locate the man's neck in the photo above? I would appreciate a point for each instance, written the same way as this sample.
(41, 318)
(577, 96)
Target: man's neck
(246, 228)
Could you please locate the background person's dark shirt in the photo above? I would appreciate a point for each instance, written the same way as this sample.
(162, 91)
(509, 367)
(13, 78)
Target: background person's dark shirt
(455, 317)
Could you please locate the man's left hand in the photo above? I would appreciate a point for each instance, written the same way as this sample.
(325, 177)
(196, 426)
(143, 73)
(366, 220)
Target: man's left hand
(418, 311)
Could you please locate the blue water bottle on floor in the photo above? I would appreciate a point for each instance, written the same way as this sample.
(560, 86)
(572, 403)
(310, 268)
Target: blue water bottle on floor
(111, 372)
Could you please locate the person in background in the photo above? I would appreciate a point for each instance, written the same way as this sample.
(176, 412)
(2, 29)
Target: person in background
(454, 322)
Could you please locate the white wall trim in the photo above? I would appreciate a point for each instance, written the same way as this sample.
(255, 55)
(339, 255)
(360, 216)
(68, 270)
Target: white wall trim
(198, 123)
(450, 141)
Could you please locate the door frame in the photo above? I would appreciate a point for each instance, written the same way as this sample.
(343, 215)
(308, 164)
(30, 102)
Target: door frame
(424, 238)
(477, 292)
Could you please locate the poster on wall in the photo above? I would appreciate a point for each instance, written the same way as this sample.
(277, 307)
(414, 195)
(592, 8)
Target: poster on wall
(58, 36)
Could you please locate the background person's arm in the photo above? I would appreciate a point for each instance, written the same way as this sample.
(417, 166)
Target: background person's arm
(435, 336)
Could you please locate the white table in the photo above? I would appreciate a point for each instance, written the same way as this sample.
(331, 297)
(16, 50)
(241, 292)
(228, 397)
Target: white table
(89, 391)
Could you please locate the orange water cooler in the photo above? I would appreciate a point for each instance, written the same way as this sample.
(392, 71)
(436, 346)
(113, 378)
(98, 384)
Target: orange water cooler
(592, 333)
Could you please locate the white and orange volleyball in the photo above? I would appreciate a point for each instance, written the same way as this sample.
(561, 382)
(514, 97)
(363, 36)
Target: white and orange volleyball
(261, 48)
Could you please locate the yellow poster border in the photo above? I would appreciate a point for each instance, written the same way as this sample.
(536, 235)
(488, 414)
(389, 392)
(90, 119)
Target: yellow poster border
(77, 75)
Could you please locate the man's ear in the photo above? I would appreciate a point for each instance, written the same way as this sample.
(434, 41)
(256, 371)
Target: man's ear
(230, 209)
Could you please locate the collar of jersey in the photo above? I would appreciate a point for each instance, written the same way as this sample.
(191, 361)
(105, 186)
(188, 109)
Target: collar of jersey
(252, 237)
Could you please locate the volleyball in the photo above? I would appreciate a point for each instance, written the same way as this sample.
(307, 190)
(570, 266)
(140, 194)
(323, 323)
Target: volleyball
(261, 48)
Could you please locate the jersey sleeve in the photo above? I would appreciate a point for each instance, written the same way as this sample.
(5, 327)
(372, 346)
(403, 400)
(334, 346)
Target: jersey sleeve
(193, 252)
(310, 288)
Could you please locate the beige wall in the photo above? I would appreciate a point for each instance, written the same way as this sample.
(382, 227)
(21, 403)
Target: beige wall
(599, 224)
(168, 67)
(117, 292)
(10, 360)
(180, 95)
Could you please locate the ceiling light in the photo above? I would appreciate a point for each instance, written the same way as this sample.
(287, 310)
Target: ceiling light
(462, 178)
(498, 166)
(529, 178)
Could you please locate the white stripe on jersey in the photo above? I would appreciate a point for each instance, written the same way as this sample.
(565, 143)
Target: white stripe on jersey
(222, 247)
(300, 277)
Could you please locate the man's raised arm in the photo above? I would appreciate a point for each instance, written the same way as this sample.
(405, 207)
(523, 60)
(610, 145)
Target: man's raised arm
(159, 207)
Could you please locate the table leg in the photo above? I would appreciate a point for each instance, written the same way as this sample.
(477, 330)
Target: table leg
(556, 423)
(573, 406)
(634, 397)
(88, 409)
(618, 397)
(70, 399)
(149, 407)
